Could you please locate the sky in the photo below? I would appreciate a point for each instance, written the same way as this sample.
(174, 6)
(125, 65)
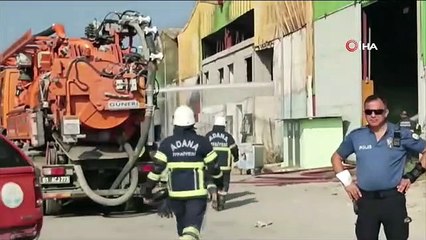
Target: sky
(16, 17)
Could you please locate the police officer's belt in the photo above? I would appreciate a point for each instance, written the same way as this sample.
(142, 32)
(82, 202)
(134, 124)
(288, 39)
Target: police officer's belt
(380, 194)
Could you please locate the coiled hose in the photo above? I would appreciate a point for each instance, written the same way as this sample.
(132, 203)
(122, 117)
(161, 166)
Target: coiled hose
(134, 174)
(145, 127)
(150, 41)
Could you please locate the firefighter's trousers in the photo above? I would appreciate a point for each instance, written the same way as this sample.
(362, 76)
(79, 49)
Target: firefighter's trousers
(226, 180)
(189, 216)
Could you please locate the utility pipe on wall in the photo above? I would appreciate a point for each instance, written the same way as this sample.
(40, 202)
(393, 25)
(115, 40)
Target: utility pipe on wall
(310, 102)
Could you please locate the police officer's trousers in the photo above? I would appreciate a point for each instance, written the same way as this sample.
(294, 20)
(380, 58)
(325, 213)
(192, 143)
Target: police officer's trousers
(189, 216)
(386, 207)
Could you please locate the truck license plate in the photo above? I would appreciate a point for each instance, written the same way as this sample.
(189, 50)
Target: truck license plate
(56, 180)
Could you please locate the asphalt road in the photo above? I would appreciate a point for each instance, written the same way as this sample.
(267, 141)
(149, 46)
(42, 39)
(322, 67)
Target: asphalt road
(304, 211)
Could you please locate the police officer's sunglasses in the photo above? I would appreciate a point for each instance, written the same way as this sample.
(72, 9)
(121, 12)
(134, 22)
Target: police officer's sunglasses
(376, 111)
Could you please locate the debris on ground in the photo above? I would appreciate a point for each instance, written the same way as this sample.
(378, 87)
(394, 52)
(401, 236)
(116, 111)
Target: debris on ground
(260, 224)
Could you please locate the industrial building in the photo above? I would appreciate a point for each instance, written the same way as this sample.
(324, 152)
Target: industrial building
(287, 74)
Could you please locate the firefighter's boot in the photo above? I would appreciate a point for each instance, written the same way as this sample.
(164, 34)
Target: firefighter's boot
(211, 189)
(221, 198)
(215, 200)
(218, 201)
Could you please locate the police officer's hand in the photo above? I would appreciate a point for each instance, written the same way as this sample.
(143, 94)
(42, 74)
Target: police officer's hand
(404, 185)
(353, 191)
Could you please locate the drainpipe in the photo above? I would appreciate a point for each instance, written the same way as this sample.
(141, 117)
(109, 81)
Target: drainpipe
(309, 102)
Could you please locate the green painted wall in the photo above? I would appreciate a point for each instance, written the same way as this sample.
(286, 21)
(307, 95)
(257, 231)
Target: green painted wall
(315, 152)
(423, 30)
(221, 16)
(323, 8)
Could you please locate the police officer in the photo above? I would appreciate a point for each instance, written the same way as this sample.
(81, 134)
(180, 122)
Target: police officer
(185, 155)
(224, 145)
(379, 191)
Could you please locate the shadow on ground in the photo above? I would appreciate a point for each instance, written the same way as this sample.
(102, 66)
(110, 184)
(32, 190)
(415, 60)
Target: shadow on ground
(88, 208)
(80, 208)
(239, 203)
(232, 203)
(232, 196)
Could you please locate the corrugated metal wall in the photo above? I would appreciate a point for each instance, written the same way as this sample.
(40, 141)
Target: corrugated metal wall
(189, 40)
(238, 8)
(168, 68)
(275, 19)
(289, 73)
(206, 18)
(338, 86)
(269, 25)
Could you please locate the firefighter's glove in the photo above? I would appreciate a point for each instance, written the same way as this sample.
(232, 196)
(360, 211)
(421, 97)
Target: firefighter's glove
(164, 209)
(146, 191)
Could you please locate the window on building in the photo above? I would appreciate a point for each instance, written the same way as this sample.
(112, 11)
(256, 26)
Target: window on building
(221, 75)
(231, 72)
(249, 69)
(266, 57)
(235, 32)
(206, 78)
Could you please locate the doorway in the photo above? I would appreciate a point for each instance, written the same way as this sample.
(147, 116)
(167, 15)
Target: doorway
(391, 26)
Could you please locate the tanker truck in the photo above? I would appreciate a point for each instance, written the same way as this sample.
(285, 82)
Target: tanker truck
(82, 107)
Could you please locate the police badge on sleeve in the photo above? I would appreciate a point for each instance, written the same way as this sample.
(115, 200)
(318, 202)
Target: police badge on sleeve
(389, 141)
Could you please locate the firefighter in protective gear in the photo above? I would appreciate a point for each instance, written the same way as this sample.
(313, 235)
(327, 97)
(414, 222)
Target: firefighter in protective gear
(187, 156)
(224, 145)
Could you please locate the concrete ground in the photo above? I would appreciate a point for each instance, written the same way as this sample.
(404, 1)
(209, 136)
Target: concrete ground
(303, 211)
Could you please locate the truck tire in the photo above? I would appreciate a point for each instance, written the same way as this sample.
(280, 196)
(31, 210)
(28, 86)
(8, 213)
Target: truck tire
(134, 204)
(52, 207)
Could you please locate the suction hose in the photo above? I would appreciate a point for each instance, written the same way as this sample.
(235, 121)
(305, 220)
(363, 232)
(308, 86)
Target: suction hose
(134, 174)
(149, 45)
(145, 128)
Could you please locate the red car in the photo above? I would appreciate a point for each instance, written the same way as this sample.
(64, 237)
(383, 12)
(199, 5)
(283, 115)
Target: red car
(21, 200)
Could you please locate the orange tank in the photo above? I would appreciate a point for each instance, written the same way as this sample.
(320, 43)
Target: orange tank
(82, 89)
(82, 107)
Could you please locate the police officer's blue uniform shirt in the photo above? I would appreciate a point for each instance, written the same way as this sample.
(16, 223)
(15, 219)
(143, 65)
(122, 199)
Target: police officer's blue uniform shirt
(380, 165)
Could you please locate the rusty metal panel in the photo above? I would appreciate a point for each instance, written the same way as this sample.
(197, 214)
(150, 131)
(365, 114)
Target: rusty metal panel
(275, 19)
(338, 77)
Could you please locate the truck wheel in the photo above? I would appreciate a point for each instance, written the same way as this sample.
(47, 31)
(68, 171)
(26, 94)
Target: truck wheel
(135, 204)
(52, 207)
